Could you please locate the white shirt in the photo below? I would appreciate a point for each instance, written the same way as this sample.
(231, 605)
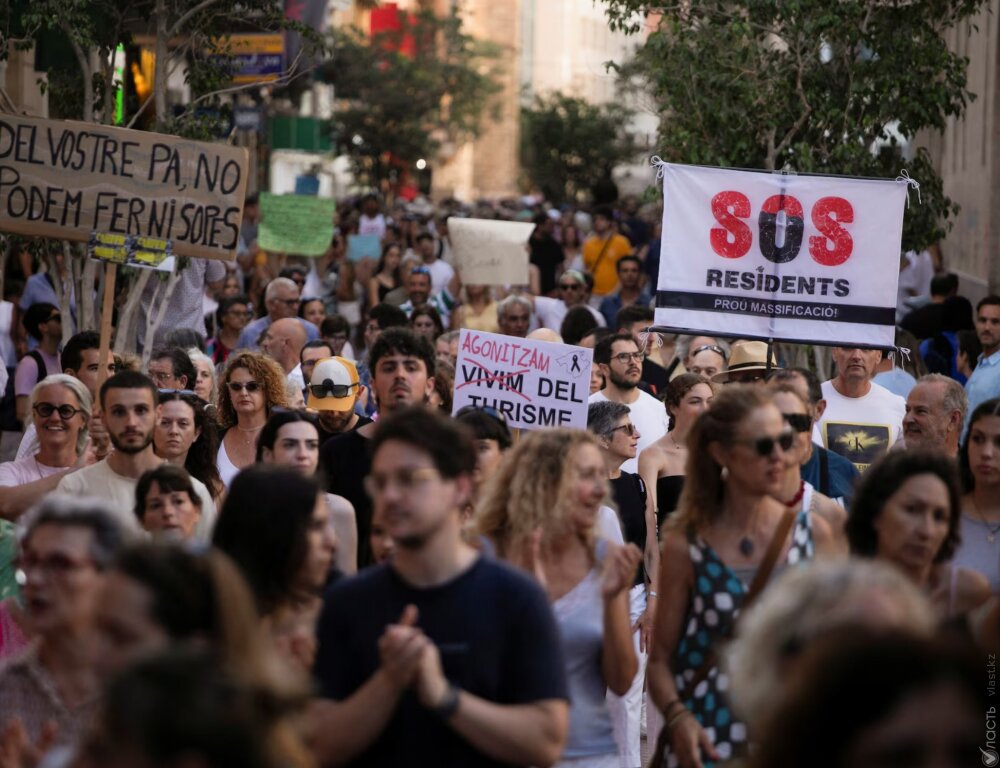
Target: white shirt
(861, 429)
(372, 226)
(117, 493)
(648, 415)
(441, 274)
(551, 313)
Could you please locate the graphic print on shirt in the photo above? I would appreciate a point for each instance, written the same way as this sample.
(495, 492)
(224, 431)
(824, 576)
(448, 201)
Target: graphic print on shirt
(861, 444)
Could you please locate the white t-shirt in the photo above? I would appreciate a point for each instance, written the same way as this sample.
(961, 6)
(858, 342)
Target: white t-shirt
(861, 429)
(441, 274)
(649, 416)
(26, 470)
(117, 492)
(372, 226)
(551, 313)
(609, 526)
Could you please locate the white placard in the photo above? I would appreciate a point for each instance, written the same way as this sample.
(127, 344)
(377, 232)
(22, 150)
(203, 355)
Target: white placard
(534, 384)
(490, 252)
(770, 256)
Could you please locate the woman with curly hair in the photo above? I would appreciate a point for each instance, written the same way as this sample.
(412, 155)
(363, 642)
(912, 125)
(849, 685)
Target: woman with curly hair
(185, 436)
(907, 512)
(541, 511)
(251, 385)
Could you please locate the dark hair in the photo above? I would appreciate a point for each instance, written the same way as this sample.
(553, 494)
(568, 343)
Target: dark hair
(128, 380)
(992, 300)
(396, 276)
(968, 342)
(315, 344)
(202, 457)
(71, 357)
(307, 301)
(180, 362)
(37, 314)
(444, 385)
(424, 235)
(882, 480)
(956, 314)
(227, 304)
(810, 378)
(427, 310)
(401, 341)
(388, 316)
(864, 676)
(677, 388)
(627, 258)
(447, 442)
(263, 527)
(185, 338)
(168, 477)
(485, 426)
(602, 349)
(633, 313)
(333, 324)
(294, 269)
(278, 419)
(944, 285)
(578, 322)
(605, 211)
(982, 411)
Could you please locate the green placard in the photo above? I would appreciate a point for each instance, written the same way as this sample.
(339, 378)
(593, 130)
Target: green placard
(298, 225)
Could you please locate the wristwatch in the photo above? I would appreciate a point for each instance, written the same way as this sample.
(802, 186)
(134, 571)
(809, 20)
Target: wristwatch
(448, 704)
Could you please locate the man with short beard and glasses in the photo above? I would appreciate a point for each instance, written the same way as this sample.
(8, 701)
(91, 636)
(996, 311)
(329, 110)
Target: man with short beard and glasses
(935, 413)
(442, 656)
(128, 408)
(620, 362)
(402, 371)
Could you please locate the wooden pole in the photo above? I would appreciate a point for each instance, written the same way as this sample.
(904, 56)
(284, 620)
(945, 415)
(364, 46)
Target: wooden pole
(107, 308)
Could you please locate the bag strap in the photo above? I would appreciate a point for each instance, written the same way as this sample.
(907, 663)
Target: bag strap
(760, 580)
(824, 473)
(43, 370)
(600, 256)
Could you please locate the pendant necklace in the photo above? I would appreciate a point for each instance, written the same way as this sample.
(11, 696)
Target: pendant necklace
(991, 531)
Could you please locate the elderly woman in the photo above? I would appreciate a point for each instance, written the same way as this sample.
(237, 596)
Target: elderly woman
(66, 548)
(251, 385)
(204, 383)
(541, 512)
(907, 512)
(184, 437)
(166, 504)
(715, 561)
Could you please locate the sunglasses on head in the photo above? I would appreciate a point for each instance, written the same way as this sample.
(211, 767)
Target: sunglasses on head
(800, 422)
(493, 413)
(764, 446)
(329, 389)
(239, 386)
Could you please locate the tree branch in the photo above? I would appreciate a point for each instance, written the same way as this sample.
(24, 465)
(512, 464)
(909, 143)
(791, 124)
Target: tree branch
(88, 78)
(283, 80)
(806, 109)
(179, 24)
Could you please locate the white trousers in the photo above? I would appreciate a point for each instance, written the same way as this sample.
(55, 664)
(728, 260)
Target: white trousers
(626, 711)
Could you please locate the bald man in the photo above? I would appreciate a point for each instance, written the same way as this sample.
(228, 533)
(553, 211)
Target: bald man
(283, 341)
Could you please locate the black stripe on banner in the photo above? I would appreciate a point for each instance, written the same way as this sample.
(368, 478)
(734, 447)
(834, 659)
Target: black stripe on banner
(776, 308)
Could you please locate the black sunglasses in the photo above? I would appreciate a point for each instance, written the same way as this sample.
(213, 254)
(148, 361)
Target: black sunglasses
(239, 386)
(800, 422)
(329, 389)
(66, 412)
(764, 446)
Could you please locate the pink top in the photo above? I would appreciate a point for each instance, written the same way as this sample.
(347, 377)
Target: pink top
(12, 637)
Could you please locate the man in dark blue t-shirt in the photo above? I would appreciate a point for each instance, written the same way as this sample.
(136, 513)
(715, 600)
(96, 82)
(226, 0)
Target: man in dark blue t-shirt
(442, 656)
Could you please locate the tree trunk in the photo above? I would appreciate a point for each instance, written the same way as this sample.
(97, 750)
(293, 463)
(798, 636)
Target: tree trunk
(85, 298)
(125, 338)
(160, 67)
(155, 319)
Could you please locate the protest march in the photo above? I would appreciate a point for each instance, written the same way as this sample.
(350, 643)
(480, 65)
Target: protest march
(301, 472)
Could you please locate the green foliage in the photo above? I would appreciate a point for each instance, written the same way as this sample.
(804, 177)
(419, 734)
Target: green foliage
(806, 85)
(568, 145)
(408, 92)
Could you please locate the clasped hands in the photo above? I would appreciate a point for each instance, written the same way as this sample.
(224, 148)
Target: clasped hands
(411, 659)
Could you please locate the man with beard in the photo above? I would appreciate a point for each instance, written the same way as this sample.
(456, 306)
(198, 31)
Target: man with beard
(402, 371)
(984, 383)
(442, 654)
(935, 413)
(128, 409)
(620, 362)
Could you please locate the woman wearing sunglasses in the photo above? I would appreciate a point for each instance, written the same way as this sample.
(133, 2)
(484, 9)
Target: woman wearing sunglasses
(251, 385)
(713, 564)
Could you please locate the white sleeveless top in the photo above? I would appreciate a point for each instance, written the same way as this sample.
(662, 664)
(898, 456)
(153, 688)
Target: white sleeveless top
(227, 470)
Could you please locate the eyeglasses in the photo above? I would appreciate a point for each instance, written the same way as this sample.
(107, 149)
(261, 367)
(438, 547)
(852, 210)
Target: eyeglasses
(569, 286)
(57, 565)
(289, 302)
(161, 376)
(240, 313)
(56, 317)
(239, 386)
(420, 271)
(764, 446)
(66, 412)
(710, 348)
(329, 389)
(185, 392)
(629, 429)
(800, 422)
(406, 480)
(625, 357)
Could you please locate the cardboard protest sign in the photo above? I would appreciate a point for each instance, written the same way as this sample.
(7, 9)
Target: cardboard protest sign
(799, 258)
(534, 384)
(489, 252)
(363, 247)
(68, 180)
(296, 224)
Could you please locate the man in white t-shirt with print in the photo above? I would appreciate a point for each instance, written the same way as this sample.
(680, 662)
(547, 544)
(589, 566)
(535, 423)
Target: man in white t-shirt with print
(620, 361)
(862, 420)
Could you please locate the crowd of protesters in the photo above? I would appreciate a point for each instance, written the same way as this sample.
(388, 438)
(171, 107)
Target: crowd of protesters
(272, 544)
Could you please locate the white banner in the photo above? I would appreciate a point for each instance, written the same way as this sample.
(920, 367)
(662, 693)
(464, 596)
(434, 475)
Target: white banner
(490, 252)
(770, 256)
(533, 384)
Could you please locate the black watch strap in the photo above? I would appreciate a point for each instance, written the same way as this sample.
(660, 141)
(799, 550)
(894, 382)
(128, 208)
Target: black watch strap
(448, 704)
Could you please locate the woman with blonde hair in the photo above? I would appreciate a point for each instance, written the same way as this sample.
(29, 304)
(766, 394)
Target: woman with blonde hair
(728, 536)
(251, 385)
(540, 511)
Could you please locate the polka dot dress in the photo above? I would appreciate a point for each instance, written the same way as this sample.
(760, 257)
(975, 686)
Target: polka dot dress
(716, 600)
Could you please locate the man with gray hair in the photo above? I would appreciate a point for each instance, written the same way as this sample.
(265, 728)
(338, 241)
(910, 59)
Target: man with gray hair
(514, 316)
(67, 546)
(935, 413)
(281, 299)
